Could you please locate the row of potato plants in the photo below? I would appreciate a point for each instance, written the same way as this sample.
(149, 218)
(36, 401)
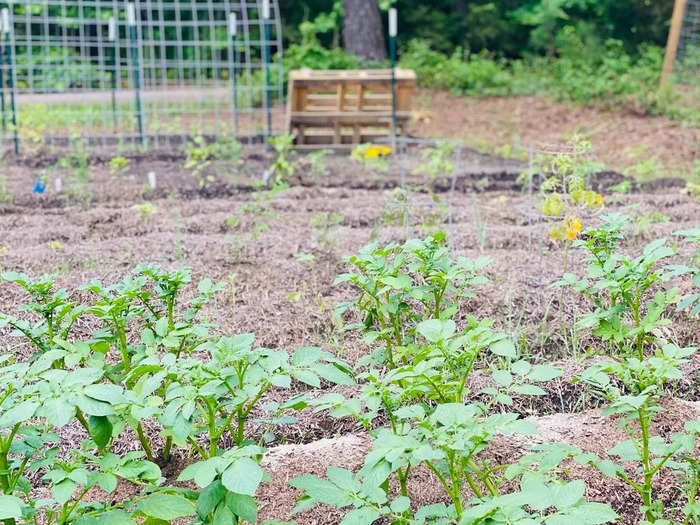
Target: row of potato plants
(416, 401)
(158, 359)
(152, 359)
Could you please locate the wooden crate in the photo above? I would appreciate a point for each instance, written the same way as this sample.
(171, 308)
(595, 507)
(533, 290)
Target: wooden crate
(340, 109)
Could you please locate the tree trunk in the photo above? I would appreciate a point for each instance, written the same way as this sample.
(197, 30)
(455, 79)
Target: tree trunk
(363, 34)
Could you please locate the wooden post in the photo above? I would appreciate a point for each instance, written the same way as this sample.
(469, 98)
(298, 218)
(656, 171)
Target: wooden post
(674, 36)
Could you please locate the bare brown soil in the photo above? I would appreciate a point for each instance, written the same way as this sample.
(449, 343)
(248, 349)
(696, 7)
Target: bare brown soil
(94, 231)
(621, 138)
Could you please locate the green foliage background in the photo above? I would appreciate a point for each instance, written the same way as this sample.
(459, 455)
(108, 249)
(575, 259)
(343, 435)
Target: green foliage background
(509, 28)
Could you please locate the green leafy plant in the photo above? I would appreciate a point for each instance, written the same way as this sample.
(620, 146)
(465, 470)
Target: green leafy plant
(199, 158)
(627, 315)
(55, 313)
(144, 210)
(118, 166)
(419, 273)
(409, 297)
(627, 310)
(316, 163)
(325, 227)
(691, 302)
(6, 197)
(283, 166)
(438, 160)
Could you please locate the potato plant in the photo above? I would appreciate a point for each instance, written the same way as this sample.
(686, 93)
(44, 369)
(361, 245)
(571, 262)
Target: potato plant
(408, 298)
(628, 312)
(154, 359)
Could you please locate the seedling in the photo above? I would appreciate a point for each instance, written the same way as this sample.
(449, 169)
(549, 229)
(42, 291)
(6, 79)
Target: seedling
(118, 166)
(144, 210)
(283, 166)
(316, 163)
(325, 227)
(438, 160)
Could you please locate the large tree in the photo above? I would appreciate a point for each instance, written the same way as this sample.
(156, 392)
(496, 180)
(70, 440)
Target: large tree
(363, 34)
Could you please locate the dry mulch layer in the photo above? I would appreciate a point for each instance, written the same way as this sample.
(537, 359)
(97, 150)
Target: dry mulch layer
(259, 242)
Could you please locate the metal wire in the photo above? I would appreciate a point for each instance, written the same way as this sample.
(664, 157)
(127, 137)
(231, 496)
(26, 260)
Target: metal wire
(688, 58)
(409, 202)
(73, 77)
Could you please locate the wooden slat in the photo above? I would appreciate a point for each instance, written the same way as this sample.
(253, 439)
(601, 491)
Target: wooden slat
(344, 108)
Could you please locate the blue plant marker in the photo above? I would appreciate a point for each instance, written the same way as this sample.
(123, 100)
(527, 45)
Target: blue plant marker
(39, 186)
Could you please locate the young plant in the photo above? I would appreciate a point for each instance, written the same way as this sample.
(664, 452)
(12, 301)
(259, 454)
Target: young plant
(317, 163)
(431, 420)
(118, 166)
(6, 196)
(690, 302)
(438, 160)
(283, 166)
(325, 228)
(636, 406)
(627, 316)
(627, 310)
(56, 313)
(403, 285)
(144, 210)
(563, 191)
(199, 158)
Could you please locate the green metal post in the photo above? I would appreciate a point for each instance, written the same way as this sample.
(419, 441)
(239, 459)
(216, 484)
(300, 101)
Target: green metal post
(4, 28)
(133, 36)
(10, 79)
(112, 37)
(2, 91)
(266, 53)
(392, 54)
(233, 31)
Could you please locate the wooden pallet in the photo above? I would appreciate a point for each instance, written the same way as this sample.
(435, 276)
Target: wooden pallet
(340, 109)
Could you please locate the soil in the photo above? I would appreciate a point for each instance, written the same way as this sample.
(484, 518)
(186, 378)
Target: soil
(621, 137)
(255, 241)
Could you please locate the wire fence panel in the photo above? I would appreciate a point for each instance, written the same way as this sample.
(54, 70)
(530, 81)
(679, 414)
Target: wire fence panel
(688, 61)
(140, 73)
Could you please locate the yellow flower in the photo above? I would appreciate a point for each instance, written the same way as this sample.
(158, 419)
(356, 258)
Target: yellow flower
(598, 199)
(374, 152)
(573, 228)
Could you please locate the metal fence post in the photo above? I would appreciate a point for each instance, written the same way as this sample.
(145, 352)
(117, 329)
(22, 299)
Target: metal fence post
(393, 31)
(4, 21)
(233, 31)
(7, 28)
(266, 60)
(112, 37)
(133, 36)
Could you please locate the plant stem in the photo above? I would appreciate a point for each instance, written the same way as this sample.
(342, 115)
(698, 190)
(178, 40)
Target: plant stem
(144, 442)
(168, 447)
(646, 466)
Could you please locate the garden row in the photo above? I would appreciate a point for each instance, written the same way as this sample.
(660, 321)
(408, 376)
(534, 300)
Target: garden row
(156, 367)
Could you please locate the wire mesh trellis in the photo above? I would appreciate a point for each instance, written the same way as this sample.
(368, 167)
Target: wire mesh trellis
(414, 195)
(541, 156)
(142, 73)
(688, 58)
